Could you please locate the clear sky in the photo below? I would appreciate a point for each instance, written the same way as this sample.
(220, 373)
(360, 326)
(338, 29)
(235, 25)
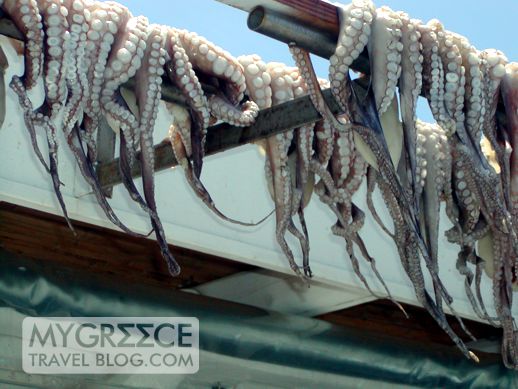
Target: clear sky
(486, 23)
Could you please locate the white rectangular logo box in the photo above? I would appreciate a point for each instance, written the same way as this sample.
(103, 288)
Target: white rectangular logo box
(110, 345)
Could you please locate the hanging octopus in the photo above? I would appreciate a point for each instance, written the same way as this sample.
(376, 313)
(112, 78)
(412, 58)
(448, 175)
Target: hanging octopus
(479, 190)
(288, 176)
(385, 47)
(86, 51)
(341, 170)
(50, 17)
(188, 132)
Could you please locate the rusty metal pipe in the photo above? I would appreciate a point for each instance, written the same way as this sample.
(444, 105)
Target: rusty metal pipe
(286, 29)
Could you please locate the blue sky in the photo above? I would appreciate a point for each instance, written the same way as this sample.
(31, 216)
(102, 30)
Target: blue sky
(487, 24)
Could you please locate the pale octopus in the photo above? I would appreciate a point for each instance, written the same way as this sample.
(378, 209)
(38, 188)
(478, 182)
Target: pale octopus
(86, 51)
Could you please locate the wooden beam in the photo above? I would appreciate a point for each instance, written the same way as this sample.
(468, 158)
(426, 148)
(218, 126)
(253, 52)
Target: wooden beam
(383, 317)
(106, 140)
(224, 136)
(103, 252)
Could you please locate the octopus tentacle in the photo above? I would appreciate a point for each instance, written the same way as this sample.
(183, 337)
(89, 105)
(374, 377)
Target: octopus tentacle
(348, 169)
(56, 53)
(433, 77)
(468, 255)
(223, 110)
(503, 234)
(509, 262)
(76, 69)
(385, 48)
(430, 176)
(268, 84)
(465, 189)
(17, 86)
(55, 28)
(334, 197)
(355, 20)
(277, 154)
(387, 172)
(509, 89)
(89, 45)
(503, 297)
(104, 24)
(212, 60)
(180, 152)
(324, 133)
(473, 88)
(481, 192)
(181, 73)
(412, 234)
(304, 186)
(304, 177)
(26, 17)
(129, 37)
(372, 177)
(287, 196)
(148, 91)
(123, 62)
(4, 64)
(504, 252)
(493, 70)
(258, 80)
(408, 249)
(303, 62)
(90, 176)
(454, 81)
(432, 171)
(410, 84)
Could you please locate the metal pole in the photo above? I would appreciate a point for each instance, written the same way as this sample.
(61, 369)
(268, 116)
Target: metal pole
(287, 30)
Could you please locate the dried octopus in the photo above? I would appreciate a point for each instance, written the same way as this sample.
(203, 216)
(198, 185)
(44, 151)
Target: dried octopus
(380, 30)
(86, 51)
(289, 179)
(444, 162)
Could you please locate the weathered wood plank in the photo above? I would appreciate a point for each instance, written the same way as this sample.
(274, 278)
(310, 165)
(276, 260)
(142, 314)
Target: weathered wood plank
(384, 318)
(100, 251)
(224, 136)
